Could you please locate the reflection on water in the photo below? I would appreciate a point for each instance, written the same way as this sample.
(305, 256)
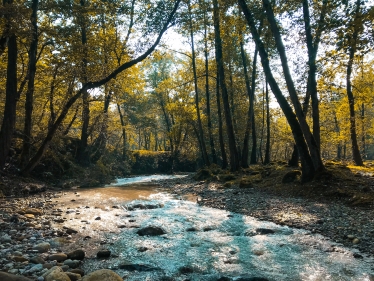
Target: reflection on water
(221, 243)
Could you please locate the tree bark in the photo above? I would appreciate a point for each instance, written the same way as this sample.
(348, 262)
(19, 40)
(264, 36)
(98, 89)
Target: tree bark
(234, 158)
(351, 101)
(207, 93)
(122, 119)
(220, 126)
(267, 146)
(245, 151)
(83, 156)
(29, 104)
(11, 98)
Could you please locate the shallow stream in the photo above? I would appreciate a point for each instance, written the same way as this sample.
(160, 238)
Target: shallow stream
(200, 243)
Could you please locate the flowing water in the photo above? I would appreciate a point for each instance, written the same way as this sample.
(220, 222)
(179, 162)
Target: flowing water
(200, 243)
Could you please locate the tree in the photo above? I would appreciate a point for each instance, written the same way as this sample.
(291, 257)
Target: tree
(234, 157)
(91, 85)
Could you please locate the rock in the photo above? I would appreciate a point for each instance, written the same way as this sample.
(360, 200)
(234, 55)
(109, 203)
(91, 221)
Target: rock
(42, 247)
(291, 176)
(151, 231)
(19, 258)
(98, 218)
(73, 276)
(137, 267)
(259, 231)
(37, 259)
(36, 268)
(5, 238)
(203, 174)
(142, 249)
(186, 270)
(356, 241)
(55, 274)
(245, 183)
(72, 263)
(59, 257)
(33, 211)
(29, 216)
(76, 255)
(10, 277)
(77, 271)
(101, 275)
(103, 254)
(70, 230)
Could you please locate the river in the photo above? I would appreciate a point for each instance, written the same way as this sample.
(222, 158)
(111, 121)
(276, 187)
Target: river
(200, 243)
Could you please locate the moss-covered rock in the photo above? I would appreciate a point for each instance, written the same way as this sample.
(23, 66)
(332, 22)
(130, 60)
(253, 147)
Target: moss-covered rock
(245, 182)
(291, 176)
(226, 177)
(203, 174)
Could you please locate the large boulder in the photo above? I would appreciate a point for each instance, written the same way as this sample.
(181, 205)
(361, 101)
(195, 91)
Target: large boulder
(10, 277)
(101, 275)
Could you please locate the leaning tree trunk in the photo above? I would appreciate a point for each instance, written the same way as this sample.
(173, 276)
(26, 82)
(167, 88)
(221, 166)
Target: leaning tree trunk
(312, 146)
(307, 166)
(11, 98)
(29, 104)
(234, 158)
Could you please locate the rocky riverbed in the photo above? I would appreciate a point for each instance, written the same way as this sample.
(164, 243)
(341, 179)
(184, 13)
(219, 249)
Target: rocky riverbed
(64, 234)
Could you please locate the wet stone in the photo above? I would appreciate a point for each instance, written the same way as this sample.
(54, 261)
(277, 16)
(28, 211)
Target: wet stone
(76, 255)
(137, 267)
(151, 231)
(103, 254)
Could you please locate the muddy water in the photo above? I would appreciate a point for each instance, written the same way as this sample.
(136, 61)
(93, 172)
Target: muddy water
(221, 243)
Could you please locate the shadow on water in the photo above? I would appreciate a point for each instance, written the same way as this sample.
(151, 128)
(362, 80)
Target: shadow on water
(200, 243)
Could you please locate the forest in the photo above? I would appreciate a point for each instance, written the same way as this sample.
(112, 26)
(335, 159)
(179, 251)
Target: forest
(202, 140)
(120, 87)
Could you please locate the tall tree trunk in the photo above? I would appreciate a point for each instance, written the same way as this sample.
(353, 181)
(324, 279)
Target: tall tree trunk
(207, 93)
(267, 147)
(308, 170)
(313, 148)
(220, 126)
(234, 158)
(9, 119)
(83, 156)
(363, 131)
(312, 55)
(29, 104)
(352, 50)
(52, 118)
(100, 143)
(252, 101)
(122, 119)
(245, 151)
(199, 124)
